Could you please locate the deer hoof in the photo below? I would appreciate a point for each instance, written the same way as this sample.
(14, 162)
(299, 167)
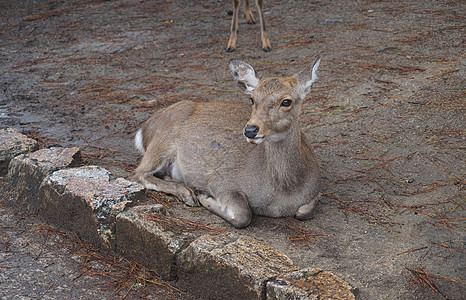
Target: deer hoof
(230, 49)
(188, 197)
(267, 49)
(191, 202)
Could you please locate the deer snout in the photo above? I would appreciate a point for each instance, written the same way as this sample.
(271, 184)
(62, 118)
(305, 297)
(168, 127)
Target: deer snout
(251, 131)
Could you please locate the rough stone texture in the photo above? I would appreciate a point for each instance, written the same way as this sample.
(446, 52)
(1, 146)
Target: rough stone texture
(27, 171)
(147, 242)
(13, 143)
(220, 266)
(309, 284)
(81, 200)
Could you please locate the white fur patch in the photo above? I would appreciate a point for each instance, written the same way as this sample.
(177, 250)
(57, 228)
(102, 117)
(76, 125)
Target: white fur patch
(314, 77)
(244, 73)
(138, 142)
(251, 81)
(175, 172)
(256, 140)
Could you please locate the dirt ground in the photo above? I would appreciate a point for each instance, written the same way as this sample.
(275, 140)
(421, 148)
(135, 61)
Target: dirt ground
(37, 261)
(386, 117)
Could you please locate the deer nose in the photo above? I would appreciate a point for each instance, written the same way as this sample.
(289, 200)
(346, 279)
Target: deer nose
(251, 131)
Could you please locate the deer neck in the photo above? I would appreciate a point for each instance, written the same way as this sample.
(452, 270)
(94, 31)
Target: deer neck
(286, 162)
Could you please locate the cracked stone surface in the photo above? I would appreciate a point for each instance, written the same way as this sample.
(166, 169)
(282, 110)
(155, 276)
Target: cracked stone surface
(81, 200)
(309, 284)
(146, 241)
(13, 143)
(216, 266)
(26, 171)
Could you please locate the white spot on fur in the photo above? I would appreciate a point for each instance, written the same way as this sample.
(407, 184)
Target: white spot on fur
(138, 142)
(229, 212)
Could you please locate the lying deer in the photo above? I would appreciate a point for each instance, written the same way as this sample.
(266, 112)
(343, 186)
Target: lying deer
(250, 20)
(202, 148)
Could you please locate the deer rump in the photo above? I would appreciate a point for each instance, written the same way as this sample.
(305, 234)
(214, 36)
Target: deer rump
(201, 146)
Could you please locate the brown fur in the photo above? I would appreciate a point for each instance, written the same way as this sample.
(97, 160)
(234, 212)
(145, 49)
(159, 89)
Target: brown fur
(201, 147)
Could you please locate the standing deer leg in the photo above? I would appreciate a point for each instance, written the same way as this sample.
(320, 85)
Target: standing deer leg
(264, 37)
(234, 27)
(248, 14)
(232, 207)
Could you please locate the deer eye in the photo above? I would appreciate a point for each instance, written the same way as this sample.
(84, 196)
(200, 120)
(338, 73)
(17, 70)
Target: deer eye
(251, 100)
(286, 102)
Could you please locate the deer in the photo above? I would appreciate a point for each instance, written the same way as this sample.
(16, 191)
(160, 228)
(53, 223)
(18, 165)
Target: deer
(250, 20)
(233, 157)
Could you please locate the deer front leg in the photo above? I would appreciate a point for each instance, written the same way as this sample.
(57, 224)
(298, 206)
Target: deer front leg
(264, 36)
(234, 27)
(248, 14)
(233, 207)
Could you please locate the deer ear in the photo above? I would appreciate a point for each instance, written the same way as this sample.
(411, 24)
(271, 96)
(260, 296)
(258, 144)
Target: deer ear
(244, 75)
(307, 76)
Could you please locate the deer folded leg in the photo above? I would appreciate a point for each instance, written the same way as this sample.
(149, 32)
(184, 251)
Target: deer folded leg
(175, 188)
(232, 207)
(150, 165)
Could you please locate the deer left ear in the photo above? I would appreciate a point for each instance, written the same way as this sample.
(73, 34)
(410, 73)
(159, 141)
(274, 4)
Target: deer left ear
(244, 75)
(307, 76)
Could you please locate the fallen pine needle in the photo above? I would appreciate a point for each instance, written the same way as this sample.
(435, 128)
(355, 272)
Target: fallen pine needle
(412, 250)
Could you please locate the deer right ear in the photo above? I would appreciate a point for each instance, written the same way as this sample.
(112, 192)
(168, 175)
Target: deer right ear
(244, 75)
(308, 76)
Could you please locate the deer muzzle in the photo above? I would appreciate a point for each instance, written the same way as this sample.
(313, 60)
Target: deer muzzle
(251, 131)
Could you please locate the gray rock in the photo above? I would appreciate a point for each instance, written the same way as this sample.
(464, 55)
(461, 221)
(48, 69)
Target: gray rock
(228, 266)
(13, 143)
(82, 199)
(141, 238)
(309, 284)
(27, 171)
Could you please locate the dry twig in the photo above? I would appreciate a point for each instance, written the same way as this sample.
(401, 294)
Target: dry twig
(300, 235)
(420, 277)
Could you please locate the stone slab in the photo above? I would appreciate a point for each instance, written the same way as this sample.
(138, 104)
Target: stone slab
(13, 143)
(230, 266)
(27, 171)
(309, 284)
(84, 200)
(140, 238)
